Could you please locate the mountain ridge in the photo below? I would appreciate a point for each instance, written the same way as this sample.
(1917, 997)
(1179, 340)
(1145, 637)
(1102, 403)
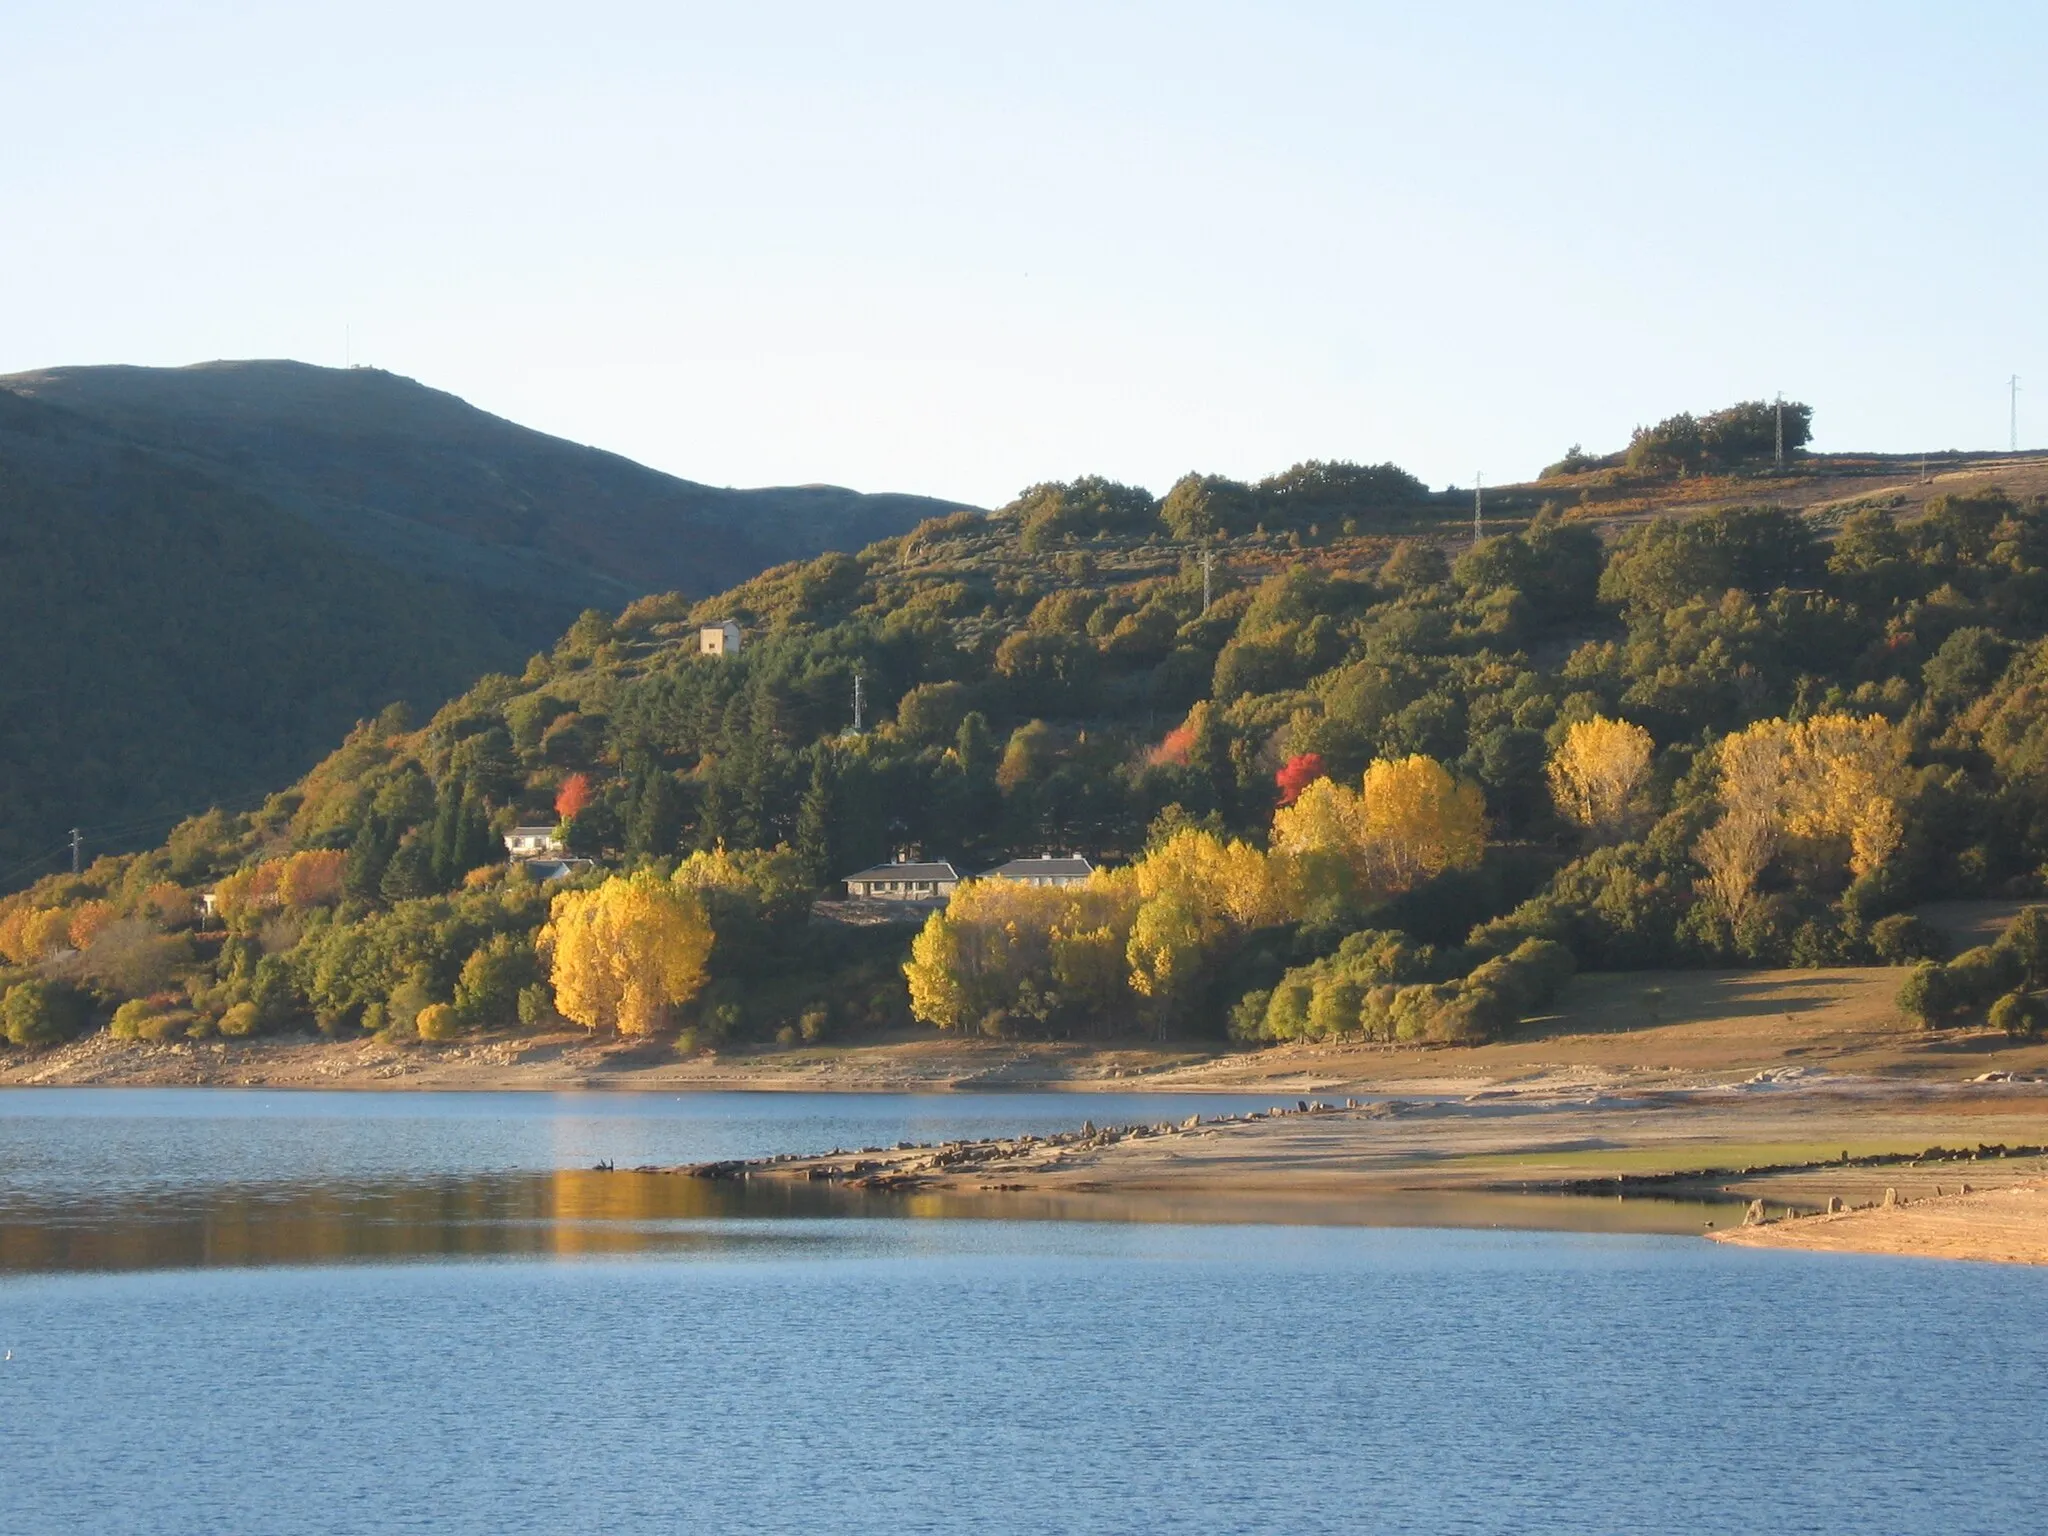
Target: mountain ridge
(208, 573)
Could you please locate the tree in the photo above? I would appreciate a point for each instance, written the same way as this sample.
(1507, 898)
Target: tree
(1419, 822)
(1598, 772)
(487, 993)
(814, 820)
(1828, 783)
(313, 878)
(1295, 775)
(1410, 821)
(573, 798)
(624, 954)
(37, 1012)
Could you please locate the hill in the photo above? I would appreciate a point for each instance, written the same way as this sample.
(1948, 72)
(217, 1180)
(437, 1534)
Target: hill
(1359, 778)
(210, 572)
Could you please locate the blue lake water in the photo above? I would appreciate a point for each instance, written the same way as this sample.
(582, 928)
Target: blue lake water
(634, 1366)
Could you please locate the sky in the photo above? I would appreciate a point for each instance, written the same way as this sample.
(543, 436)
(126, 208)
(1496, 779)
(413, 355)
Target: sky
(961, 248)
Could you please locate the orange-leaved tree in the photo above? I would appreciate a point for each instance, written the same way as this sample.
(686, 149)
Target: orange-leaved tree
(573, 797)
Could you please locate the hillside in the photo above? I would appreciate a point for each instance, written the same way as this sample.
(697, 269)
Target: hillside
(210, 572)
(1375, 783)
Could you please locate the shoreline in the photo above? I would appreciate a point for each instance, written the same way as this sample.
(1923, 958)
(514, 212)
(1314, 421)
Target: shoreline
(1535, 1127)
(1683, 1162)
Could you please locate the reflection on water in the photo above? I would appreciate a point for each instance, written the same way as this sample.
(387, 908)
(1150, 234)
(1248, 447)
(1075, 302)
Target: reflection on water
(581, 1213)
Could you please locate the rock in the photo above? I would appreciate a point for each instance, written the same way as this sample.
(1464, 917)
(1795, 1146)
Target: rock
(1966, 1189)
(1191, 1122)
(1302, 1105)
(1834, 1205)
(1891, 1199)
(1754, 1216)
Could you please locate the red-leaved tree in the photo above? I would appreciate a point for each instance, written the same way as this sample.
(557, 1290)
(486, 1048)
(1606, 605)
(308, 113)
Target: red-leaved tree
(1300, 771)
(1175, 748)
(573, 796)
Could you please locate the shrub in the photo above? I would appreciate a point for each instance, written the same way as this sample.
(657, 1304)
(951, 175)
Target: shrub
(241, 1020)
(1903, 938)
(141, 1019)
(41, 1013)
(438, 1021)
(2026, 936)
(536, 1006)
(1979, 975)
(1927, 995)
(2021, 1015)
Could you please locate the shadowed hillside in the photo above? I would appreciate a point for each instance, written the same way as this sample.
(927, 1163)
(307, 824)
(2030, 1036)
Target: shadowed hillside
(207, 573)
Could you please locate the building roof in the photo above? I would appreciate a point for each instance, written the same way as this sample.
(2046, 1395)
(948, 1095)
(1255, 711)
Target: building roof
(937, 870)
(547, 831)
(1047, 866)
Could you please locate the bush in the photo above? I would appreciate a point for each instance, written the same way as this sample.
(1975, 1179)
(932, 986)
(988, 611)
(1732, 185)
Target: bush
(2021, 1015)
(41, 1013)
(1980, 975)
(2026, 936)
(242, 1020)
(1902, 939)
(536, 1006)
(438, 1021)
(1928, 995)
(140, 1019)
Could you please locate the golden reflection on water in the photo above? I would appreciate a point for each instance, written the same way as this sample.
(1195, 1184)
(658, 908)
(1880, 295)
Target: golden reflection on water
(580, 1213)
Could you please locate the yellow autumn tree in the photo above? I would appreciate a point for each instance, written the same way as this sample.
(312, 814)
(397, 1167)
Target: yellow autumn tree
(1408, 822)
(624, 954)
(1233, 882)
(1831, 781)
(1420, 821)
(1598, 774)
(1002, 948)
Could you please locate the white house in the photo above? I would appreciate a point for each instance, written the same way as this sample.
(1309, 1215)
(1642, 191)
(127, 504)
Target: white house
(1046, 869)
(720, 639)
(534, 843)
(904, 880)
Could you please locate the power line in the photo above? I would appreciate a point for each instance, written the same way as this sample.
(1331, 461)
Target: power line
(2013, 425)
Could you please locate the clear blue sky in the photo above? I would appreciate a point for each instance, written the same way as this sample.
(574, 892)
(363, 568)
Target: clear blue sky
(958, 248)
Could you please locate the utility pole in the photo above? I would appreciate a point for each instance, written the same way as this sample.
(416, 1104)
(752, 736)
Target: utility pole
(2013, 425)
(860, 702)
(1780, 454)
(1478, 507)
(1208, 569)
(77, 850)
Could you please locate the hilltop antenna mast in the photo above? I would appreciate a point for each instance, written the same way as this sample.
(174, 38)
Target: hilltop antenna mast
(860, 702)
(1478, 506)
(77, 849)
(1208, 568)
(1780, 452)
(2013, 426)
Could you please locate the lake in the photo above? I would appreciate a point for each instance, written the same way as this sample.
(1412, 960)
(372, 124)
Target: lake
(254, 1311)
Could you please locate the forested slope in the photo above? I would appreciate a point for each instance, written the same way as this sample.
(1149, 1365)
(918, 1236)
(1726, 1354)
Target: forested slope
(1382, 782)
